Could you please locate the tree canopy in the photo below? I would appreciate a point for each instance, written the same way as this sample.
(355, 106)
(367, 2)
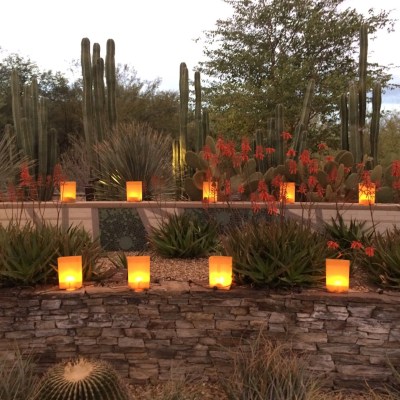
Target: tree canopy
(266, 53)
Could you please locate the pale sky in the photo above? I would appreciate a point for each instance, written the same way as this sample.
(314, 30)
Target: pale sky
(153, 36)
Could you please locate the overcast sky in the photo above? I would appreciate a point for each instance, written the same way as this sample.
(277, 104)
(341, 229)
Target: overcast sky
(153, 36)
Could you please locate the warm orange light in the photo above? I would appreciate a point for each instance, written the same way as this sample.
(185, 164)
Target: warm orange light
(337, 275)
(220, 272)
(70, 272)
(138, 272)
(68, 191)
(134, 191)
(366, 194)
(288, 192)
(210, 191)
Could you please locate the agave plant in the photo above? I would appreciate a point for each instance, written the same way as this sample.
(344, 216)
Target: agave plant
(185, 236)
(135, 152)
(276, 253)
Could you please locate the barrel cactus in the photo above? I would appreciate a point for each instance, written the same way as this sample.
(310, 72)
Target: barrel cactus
(81, 379)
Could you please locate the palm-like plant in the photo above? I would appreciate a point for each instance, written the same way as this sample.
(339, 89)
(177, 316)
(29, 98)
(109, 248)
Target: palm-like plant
(135, 152)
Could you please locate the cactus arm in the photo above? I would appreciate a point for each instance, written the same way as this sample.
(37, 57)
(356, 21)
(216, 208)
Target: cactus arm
(362, 95)
(344, 122)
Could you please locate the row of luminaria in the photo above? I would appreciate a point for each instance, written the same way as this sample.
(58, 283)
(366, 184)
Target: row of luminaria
(366, 193)
(220, 273)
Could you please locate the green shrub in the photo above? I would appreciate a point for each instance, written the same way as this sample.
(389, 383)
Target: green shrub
(28, 253)
(384, 266)
(17, 377)
(135, 152)
(184, 236)
(345, 234)
(276, 253)
(263, 369)
(77, 241)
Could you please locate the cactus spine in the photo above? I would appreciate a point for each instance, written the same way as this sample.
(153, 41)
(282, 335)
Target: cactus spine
(81, 380)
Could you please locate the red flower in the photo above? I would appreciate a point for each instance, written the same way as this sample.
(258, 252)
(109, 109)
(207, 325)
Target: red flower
(241, 189)
(291, 153)
(269, 150)
(332, 245)
(305, 157)
(276, 181)
(207, 152)
(292, 167)
(396, 168)
(227, 187)
(369, 251)
(302, 188)
(329, 158)
(313, 166)
(322, 146)
(312, 181)
(286, 136)
(25, 176)
(259, 152)
(356, 245)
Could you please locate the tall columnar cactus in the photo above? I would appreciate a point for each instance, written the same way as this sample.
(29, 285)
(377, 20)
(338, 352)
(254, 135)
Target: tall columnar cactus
(197, 112)
(375, 120)
(94, 98)
(278, 140)
(81, 380)
(344, 120)
(362, 84)
(33, 137)
(183, 109)
(354, 142)
(300, 135)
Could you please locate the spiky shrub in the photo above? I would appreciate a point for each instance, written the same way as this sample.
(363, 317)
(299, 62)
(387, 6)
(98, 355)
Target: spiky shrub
(28, 253)
(77, 240)
(344, 234)
(264, 369)
(81, 379)
(135, 152)
(276, 253)
(17, 377)
(184, 236)
(383, 267)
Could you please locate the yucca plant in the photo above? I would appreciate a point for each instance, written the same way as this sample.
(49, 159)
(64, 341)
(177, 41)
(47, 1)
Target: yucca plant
(184, 236)
(264, 369)
(135, 152)
(383, 266)
(277, 253)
